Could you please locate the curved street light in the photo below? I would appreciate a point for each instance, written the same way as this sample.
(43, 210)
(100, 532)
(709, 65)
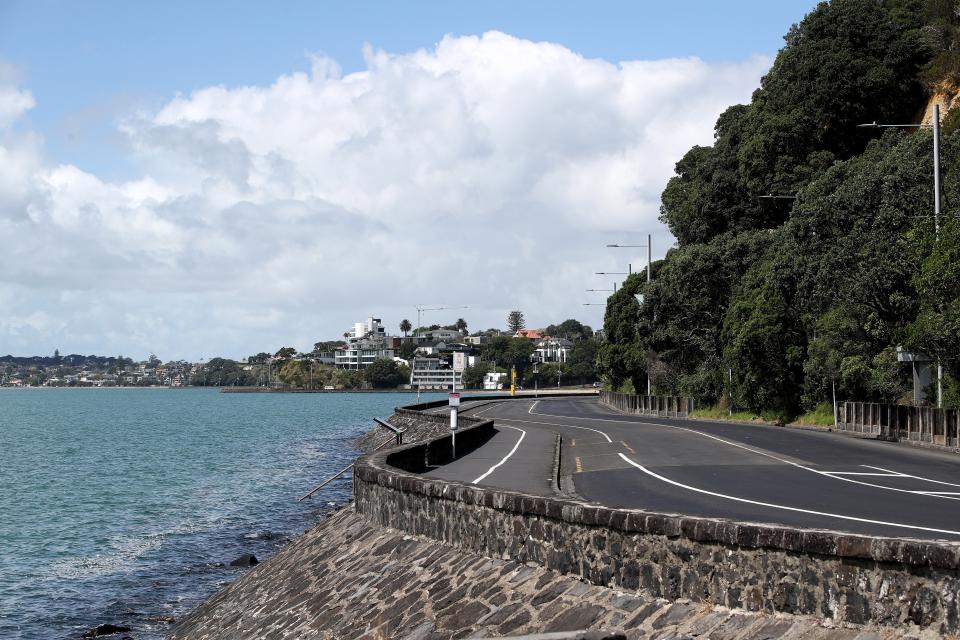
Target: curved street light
(935, 124)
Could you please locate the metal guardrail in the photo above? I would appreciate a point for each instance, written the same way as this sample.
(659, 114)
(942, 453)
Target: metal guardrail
(662, 406)
(397, 437)
(935, 426)
(396, 431)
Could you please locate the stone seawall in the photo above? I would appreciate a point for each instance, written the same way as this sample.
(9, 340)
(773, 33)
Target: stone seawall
(346, 579)
(417, 427)
(844, 578)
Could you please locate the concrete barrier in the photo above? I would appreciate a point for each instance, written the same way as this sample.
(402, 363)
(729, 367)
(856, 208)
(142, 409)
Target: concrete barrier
(930, 426)
(663, 406)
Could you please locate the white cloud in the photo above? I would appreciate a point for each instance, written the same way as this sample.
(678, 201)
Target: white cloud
(487, 171)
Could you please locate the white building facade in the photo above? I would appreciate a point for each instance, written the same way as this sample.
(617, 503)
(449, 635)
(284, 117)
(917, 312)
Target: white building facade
(433, 373)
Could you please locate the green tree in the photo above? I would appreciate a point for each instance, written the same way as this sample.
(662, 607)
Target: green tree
(473, 376)
(407, 350)
(383, 374)
(570, 329)
(405, 326)
(461, 325)
(285, 353)
(582, 365)
(515, 321)
(509, 352)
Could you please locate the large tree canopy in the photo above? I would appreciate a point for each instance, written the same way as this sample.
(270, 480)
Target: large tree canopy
(818, 286)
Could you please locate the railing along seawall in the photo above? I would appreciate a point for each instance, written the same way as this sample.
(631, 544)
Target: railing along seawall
(663, 406)
(939, 427)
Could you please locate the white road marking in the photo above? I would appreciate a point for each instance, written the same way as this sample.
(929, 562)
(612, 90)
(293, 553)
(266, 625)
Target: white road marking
(907, 475)
(506, 457)
(485, 409)
(779, 459)
(530, 410)
(863, 473)
(780, 506)
(553, 424)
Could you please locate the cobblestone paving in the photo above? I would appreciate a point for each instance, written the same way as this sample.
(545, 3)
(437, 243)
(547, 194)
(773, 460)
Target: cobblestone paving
(345, 579)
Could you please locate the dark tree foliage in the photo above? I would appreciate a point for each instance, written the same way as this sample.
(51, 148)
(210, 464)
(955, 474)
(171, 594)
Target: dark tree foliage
(383, 374)
(515, 321)
(509, 352)
(223, 372)
(801, 294)
(570, 329)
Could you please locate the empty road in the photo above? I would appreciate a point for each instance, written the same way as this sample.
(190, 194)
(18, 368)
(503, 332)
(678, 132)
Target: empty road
(741, 472)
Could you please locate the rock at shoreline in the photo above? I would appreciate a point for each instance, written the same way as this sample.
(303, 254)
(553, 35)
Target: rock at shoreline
(246, 560)
(105, 630)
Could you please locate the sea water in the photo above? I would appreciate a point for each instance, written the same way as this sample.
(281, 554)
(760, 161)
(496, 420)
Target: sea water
(125, 506)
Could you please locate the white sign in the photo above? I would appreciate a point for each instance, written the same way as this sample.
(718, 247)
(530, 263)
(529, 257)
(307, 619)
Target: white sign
(453, 419)
(454, 399)
(459, 361)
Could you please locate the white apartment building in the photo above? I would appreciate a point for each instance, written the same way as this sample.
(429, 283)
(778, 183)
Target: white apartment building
(372, 327)
(361, 354)
(366, 343)
(554, 350)
(433, 373)
(494, 380)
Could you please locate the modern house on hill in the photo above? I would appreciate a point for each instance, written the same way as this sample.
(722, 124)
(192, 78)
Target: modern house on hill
(366, 343)
(554, 350)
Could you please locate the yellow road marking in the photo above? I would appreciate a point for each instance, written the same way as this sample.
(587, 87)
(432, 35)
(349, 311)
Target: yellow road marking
(629, 448)
(579, 466)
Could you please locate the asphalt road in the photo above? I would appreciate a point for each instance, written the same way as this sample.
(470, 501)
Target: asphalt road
(743, 472)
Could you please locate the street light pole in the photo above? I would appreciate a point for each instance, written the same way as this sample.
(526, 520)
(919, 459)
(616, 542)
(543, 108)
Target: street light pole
(936, 221)
(649, 247)
(936, 202)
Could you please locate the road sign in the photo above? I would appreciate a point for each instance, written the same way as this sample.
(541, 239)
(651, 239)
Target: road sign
(454, 399)
(459, 361)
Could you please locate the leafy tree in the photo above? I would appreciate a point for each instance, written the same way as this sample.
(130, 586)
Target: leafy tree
(407, 350)
(383, 374)
(570, 329)
(405, 326)
(515, 321)
(347, 378)
(285, 353)
(798, 294)
(509, 352)
(461, 325)
(473, 376)
(583, 361)
(621, 357)
(222, 372)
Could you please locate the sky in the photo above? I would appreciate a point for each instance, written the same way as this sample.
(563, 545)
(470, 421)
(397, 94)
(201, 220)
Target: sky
(203, 179)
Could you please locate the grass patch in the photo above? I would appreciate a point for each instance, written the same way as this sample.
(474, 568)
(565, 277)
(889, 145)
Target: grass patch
(822, 416)
(719, 413)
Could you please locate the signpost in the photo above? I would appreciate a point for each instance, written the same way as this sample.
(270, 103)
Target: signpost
(459, 364)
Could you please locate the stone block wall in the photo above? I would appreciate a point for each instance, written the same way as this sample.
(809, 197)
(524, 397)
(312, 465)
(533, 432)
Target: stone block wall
(842, 577)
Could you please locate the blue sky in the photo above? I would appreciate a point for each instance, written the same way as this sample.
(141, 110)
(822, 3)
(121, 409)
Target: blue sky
(88, 62)
(195, 179)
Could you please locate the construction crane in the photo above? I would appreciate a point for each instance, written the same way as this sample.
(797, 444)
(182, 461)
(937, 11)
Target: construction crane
(421, 309)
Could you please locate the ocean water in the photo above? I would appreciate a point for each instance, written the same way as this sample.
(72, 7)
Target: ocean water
(122, 506)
